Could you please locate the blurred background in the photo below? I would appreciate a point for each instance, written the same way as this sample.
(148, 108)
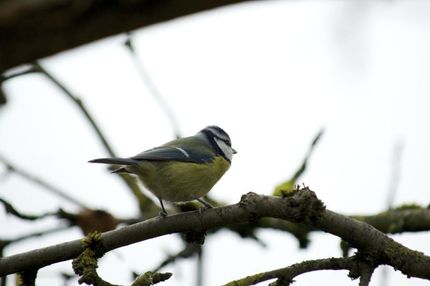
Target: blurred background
(272, 74)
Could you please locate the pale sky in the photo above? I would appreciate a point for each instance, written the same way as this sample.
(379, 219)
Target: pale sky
(272, 74)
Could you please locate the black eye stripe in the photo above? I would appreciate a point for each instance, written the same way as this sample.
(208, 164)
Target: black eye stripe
(217, 138)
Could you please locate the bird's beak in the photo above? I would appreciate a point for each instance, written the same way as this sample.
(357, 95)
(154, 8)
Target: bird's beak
(234, 151)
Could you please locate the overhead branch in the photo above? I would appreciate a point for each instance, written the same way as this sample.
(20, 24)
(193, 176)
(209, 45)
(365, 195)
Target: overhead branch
(30, 30)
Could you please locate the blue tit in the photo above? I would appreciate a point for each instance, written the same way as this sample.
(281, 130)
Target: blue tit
(181, 170)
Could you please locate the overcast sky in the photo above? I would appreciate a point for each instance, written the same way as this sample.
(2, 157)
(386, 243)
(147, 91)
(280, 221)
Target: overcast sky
(272, 74)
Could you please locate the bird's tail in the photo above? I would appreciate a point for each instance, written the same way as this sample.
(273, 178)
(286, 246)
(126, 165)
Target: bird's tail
(115, 161)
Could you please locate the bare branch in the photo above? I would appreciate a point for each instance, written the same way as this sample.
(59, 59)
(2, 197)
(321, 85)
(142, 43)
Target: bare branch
(408, 218)
(189, 250)
(392, 189)
(399, 220)
(290, 184)
(78, 102)
(146, 205)
(7, 242)
(152, 87)
(27, 70)
(300, 207)
(10, 209)
(38, 181)
(287, 274)
(144, 202)
(395, 174)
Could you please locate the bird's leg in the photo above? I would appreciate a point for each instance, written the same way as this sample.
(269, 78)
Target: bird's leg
(163, 212)
(205, 203)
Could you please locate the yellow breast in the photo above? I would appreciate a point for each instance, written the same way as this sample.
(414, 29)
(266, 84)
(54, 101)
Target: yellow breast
(181, 181)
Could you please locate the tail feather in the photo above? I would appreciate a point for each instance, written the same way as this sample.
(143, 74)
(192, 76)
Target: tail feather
(115, 161)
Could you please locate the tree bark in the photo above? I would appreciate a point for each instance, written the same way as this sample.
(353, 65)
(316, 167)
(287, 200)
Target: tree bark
(301, 207)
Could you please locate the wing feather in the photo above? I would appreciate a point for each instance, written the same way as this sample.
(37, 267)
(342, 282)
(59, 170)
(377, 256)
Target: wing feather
(167, 153)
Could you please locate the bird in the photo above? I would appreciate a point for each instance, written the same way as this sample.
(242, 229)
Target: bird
(183, 169)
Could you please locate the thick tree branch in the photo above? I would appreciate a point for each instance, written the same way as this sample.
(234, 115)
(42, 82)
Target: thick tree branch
(400, 220)
(301, 206)
(30, 30)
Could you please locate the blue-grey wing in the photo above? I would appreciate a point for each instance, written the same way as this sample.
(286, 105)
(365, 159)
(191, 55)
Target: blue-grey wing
(167, 153)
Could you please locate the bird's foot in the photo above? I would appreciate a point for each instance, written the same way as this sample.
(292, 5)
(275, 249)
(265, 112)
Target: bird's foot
(163, 213)
(205, 203)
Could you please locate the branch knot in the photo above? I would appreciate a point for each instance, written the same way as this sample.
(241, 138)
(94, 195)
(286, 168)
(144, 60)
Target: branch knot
(303, 206)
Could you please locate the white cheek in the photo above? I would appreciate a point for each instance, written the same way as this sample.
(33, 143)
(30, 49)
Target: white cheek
(227, 150)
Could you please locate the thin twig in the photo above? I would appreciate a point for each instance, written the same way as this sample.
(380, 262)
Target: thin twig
(152, 87)
(4, 243)
(11, 75)
(392, 191)
(287, 274)
(80, 104)
(395, 174)
(40, 233)
(144, 202)
(200, 268)
(189, 250)
(10, 209)
(38, 181)
(36, 67)
(292, 181)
